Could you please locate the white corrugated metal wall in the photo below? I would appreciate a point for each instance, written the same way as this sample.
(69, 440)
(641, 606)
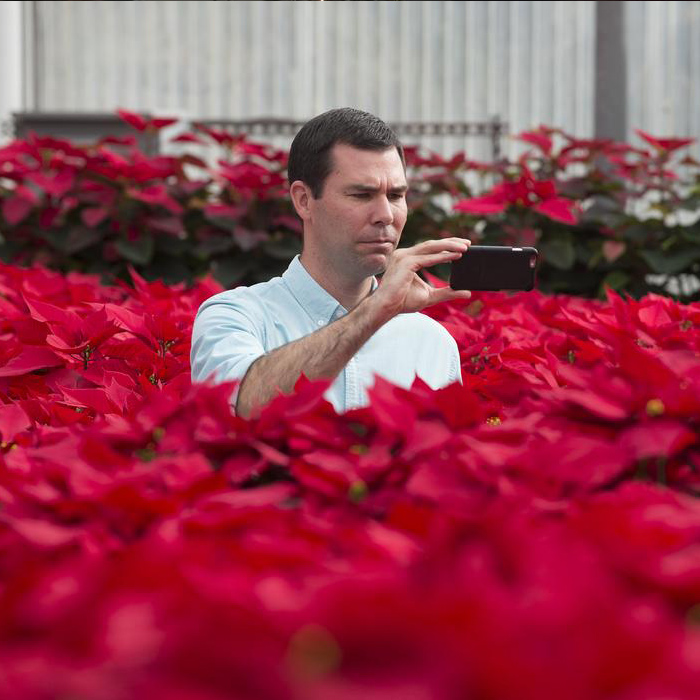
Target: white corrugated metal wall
(663, 56)
(527, 62)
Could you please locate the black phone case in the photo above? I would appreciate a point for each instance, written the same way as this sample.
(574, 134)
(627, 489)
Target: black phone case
(495, 268)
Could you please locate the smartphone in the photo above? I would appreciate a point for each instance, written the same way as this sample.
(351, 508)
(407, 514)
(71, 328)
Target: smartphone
(492, 268)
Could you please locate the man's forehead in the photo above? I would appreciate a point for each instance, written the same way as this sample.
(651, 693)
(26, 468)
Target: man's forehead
(344, 155)
(368, 167)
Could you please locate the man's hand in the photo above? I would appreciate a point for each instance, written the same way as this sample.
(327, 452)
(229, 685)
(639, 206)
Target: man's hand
(402, 290)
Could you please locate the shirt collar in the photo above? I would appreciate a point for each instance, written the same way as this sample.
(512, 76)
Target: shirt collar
(316, 301)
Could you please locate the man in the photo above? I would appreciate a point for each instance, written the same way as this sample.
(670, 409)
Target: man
(326, 317)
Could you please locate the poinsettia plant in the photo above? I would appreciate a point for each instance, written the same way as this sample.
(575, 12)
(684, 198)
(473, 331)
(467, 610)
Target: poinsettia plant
(104, 207)
(603, 214)
(529, 533)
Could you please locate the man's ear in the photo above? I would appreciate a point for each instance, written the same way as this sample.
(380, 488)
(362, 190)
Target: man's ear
(301, 198)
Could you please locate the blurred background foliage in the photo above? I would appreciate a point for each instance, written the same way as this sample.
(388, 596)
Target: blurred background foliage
(602, 213)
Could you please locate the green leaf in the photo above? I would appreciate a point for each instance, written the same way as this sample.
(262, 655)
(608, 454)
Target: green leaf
(9, 250)
(138, 251)
(223, 222)
(559, 252)
(493, 233)
(69, 240)
(168, 269)
(617, 279)
(268, 269)
(670, 263)
(213, 246)
(667, 243)
(173, 246)
(604, 210)
(283, 248)
(640, 232)
(690, 203)
(691, 233)
(231, 270)
(80, 238)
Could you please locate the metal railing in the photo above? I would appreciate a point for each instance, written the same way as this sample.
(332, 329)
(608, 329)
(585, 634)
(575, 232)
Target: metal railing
(79, 127)
(494, 129)
(86, 127)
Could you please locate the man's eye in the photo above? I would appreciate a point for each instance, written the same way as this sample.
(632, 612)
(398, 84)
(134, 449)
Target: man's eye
(396, 196)
(360, 195)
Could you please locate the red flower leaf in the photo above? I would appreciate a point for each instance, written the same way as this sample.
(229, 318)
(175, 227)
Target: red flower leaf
(664, 144)
(15, 209)
(157, 195)
(657, 438)
(13, 420)
(95, 399)
(93, 216)
(132, 119)
(187, 138)
(161, 122)
(558, 209)
(539, 139)
(30, 360)
(488, 204)
(43, 533)
(56, 184)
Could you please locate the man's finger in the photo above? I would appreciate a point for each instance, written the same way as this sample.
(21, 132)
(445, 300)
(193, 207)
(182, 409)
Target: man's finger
(447, 294)
(420, 261)
(436, 246)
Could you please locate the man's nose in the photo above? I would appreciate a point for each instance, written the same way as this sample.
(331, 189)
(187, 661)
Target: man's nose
(383, 213)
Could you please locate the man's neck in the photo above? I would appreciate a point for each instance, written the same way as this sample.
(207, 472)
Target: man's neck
(347, 291)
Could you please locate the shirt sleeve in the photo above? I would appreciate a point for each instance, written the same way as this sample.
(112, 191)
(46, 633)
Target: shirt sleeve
(227, 337)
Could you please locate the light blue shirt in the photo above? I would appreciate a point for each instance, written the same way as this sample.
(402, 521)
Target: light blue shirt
(234, 328)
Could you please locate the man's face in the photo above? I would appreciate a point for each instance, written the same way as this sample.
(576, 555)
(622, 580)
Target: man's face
(356, 223)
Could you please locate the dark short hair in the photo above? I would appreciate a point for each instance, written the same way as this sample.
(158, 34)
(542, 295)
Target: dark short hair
(310, 152)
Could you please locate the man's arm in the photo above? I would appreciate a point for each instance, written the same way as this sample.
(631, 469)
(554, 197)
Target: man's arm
(320, 355)
(324, 353)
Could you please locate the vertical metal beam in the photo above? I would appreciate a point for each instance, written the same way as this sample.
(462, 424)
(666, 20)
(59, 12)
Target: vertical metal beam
(31, 55)
(610, 71)
(11, 58)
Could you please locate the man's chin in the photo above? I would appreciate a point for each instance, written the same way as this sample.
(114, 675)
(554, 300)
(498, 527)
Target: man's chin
(375, 265)
(366, 263)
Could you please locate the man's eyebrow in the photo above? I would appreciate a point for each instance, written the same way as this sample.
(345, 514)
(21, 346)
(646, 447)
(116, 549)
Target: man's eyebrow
(370, 188)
